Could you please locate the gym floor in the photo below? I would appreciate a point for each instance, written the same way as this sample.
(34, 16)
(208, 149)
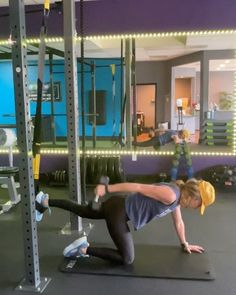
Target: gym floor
(215, 231)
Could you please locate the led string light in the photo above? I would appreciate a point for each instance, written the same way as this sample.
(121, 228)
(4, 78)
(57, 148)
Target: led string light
(234, 112)
(129, 36)
(61, 151)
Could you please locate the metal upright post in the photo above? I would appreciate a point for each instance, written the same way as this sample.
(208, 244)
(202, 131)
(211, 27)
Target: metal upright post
(133, 74)
(122, 135)
(94, 100)
(72, 108)
(52, 101)
(128, 92)
(83, 107)
(32, 281)
(204, 90)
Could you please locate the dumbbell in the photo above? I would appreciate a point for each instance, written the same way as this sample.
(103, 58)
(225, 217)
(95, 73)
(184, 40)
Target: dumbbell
(96, 204)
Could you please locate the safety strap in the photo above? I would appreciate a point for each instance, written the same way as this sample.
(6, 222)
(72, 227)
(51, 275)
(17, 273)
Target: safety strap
(122, 135)
(38, 116)
(113, 71)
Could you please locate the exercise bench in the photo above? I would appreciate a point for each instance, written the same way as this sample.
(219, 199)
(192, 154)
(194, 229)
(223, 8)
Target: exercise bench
(7, 177)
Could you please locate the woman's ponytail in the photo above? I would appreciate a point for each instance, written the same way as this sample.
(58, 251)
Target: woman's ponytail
(180, 183)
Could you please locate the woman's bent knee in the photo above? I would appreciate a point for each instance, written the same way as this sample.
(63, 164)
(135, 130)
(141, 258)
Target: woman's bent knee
(128, 259)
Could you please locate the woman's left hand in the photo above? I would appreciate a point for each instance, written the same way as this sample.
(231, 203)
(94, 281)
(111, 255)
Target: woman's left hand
(194, 248)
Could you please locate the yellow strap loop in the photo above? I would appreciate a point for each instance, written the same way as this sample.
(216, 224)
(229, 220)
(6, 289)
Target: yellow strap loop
(113, 69)
(36, 163)
(46, 4)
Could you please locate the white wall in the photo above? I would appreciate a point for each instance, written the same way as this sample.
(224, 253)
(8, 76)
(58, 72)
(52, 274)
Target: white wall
(146, 103)
(218, 82)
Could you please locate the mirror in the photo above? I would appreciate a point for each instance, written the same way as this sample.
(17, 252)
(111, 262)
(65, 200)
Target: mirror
(182, 81)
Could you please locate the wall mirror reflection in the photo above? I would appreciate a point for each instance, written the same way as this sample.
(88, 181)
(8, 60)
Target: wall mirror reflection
(181, 82)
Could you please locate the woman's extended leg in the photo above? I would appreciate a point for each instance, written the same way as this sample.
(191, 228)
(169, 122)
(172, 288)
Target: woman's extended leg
(80, 210)
(155, 141)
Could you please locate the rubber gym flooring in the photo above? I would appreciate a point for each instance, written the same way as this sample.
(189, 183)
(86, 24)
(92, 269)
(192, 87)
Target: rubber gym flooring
(215, 231)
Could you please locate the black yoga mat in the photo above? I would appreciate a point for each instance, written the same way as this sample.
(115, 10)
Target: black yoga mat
(150, 261)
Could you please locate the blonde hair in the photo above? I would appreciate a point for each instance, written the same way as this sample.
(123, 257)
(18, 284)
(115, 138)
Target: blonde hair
(184, 134)
(191, 187)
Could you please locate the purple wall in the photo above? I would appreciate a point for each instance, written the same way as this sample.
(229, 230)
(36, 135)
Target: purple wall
(154, 164)
(47, 163)
(119, 16)
(123, 16)
(145, 165)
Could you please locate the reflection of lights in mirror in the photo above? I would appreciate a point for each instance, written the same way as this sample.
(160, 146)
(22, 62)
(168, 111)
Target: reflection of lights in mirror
(210, 90)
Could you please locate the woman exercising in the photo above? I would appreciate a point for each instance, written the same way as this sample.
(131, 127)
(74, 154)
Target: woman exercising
(143, 203)
(158, 138)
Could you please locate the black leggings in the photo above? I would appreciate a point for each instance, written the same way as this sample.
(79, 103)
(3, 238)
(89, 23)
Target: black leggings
(113, 211)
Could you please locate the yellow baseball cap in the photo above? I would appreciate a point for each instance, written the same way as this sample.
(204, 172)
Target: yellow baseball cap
(207, 193)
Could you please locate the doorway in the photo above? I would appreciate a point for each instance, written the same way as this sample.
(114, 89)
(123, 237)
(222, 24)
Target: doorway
(146, 105)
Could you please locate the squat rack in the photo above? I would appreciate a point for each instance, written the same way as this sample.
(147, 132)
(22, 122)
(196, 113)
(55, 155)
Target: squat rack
(33, 281)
